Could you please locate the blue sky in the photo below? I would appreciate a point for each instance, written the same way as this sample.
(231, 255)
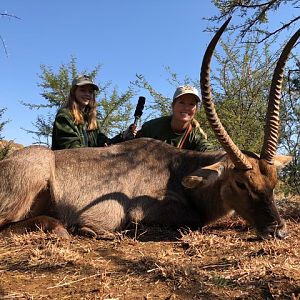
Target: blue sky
(124, 36)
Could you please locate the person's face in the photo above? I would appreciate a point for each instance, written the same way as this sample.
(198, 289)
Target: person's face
(84, 94)
(184, 108)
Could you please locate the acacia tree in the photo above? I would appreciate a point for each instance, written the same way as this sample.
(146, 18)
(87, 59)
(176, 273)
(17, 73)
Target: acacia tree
(114, 109)
(255, 14)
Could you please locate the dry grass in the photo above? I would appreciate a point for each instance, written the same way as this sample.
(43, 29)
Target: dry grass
(224, 261)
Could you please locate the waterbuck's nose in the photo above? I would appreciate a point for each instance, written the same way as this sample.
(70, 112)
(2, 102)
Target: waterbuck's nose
(281, 232)
(273, 231)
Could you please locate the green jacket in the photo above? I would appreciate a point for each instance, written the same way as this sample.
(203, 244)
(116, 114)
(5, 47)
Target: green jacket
(66, 134)
(160, 129)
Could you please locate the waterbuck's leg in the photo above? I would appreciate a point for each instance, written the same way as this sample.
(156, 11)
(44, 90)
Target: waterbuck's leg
(45, 223)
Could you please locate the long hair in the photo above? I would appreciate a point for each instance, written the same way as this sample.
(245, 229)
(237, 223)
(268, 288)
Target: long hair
(90, 110)
(196, 124)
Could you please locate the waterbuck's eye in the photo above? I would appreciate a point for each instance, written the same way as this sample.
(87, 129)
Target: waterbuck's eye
(241, 185)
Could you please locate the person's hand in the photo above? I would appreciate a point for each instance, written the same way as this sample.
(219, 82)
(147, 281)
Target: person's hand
(130, 132)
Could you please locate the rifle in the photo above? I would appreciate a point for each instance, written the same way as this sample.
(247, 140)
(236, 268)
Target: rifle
(128, 135)
(139, 109)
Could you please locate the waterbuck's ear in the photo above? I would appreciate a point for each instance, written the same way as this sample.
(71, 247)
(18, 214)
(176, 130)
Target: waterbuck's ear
(202, 175)
(217, 167)
(281, 161)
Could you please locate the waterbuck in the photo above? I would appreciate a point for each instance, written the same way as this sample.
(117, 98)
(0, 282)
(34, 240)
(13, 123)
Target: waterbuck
(91, 190)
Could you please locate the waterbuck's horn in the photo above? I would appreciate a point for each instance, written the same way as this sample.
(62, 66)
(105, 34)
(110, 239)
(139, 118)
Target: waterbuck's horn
(238, 158)
(272, 118)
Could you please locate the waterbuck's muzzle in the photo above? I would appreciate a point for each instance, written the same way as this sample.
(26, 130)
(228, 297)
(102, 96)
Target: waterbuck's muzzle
(273, 231)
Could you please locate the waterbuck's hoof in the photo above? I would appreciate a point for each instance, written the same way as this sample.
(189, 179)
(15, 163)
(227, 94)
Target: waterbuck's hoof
(61, 232)
(86, 231)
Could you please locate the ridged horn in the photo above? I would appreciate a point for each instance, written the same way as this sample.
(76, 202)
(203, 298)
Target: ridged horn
(238, 158)
(272, 117)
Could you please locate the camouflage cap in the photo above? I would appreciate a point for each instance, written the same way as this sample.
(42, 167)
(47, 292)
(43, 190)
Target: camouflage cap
(186, 89)
(83, 80)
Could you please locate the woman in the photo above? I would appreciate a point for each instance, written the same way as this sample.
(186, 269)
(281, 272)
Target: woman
(180, 129)
(76, 125)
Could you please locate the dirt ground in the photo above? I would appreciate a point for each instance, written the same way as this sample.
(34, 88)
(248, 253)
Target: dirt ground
(223, 261)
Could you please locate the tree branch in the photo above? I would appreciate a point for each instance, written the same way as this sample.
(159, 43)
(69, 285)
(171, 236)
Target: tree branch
(253, 13)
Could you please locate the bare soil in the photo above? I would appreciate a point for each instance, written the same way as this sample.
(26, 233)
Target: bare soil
(223, 261)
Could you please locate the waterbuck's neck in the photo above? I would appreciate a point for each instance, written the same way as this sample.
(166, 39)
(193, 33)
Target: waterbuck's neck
(208, 201)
